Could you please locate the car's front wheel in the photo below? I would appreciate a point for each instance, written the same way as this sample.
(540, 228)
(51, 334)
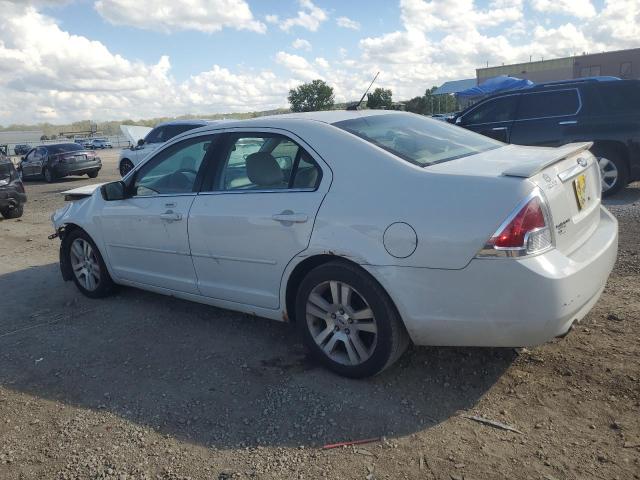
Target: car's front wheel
(125, 167)
(90, 273)
(93, 174)
(13, 212)
(348, 321)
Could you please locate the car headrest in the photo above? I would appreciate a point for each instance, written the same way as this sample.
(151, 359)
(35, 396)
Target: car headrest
(263, 170)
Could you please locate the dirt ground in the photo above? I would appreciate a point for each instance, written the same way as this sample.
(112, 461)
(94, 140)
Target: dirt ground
(142, 386)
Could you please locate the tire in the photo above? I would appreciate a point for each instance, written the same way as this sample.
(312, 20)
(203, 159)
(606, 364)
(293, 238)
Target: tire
(88, 270)
(15, 212)
(358, 337)
(93, 174)
(49, 177)
(611, 163)
(125, 166)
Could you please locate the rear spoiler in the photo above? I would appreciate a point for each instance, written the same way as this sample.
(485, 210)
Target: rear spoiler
(532, 165)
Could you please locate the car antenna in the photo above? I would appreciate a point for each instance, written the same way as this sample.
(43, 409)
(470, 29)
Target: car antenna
(356, 105)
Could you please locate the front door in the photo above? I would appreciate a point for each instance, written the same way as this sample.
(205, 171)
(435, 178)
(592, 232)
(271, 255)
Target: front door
(146, 235)
(27, 165)
(492, 118)
(254, 215)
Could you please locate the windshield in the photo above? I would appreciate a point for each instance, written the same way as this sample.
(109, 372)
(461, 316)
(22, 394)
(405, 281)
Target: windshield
(67, 147)
(417, 139)
(5, 168)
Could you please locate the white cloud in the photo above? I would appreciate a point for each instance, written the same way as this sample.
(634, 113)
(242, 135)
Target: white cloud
(322, 62)
(297, 65)
(575, 8)
(173, 15)
(301, 44)
(45, 76)
(272, 18)
(345, 22)
(310, 17)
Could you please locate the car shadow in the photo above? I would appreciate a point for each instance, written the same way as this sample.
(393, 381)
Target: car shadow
(63, 180)
(216, 377)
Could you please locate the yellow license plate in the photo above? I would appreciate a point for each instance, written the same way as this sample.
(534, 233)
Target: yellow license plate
(580, 188)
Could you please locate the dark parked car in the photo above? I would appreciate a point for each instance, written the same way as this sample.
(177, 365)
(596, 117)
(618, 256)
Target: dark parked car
(21, 148)
(12, 195)
(604, 112)
(60, 160)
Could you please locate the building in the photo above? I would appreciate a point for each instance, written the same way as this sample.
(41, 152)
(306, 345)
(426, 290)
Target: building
(621, 63)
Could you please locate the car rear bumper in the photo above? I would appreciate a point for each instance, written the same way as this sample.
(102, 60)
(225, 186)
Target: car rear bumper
(504, 302)
(76, 168)
(10, 196)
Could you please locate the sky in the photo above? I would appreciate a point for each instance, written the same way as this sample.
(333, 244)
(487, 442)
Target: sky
(67, 60)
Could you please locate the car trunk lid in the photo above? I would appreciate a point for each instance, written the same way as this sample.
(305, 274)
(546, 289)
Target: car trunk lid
(571, 185)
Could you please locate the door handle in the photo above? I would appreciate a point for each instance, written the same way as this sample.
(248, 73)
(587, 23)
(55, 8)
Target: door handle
(170, 216)
(290, 217)
(568, 122)
(496, 129)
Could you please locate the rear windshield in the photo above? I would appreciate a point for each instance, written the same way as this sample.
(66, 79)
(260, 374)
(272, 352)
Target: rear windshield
(418, 139)
(66, 147)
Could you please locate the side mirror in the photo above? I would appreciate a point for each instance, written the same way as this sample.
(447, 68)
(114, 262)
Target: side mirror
(114, 191)
(458, 120)
(22, 159)
(140, 142)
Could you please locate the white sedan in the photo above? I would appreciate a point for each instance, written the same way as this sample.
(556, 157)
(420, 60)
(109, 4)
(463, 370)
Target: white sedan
(367, 229)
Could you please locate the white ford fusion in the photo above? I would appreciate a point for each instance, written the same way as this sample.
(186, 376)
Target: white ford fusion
(367, 229)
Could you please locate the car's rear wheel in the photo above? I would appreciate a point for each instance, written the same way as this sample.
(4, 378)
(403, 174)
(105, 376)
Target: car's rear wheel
(348, 321)
(125, 167)
(90, 273)
(13, 212)
(48, 175)
(613, 170)
(93, 174)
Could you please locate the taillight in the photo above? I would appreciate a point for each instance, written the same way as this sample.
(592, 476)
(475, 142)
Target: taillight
(526, 231)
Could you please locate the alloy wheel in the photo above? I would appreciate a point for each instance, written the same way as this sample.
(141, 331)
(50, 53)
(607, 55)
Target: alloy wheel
(85, 265)
(341, 323)
(608, 173)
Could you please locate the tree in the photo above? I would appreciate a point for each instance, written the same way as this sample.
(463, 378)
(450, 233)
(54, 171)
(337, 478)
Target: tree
(379, 99)
(43, 138)
(310, 97)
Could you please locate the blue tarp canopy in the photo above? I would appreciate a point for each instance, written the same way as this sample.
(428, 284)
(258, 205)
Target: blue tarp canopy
(494, 85)
(455, 86)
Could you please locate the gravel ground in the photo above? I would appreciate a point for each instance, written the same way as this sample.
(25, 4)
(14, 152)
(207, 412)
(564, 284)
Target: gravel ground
(141, 386)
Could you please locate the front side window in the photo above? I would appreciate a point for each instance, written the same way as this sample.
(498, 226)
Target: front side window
(416, 139)
(548, 104)
(174, 170)
(266, 162)
(499, 109)
(155, 136)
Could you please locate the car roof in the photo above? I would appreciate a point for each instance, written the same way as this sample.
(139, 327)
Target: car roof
(328, 117)
(194, 121)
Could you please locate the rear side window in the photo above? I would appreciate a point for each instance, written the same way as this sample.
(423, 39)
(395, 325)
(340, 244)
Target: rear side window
(548, 104)
(620, 97)
(500, 109)
(266, 162)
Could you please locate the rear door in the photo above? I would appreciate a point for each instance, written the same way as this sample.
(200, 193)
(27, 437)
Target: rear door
(492, 118)
(547, 118)
(254, 215)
